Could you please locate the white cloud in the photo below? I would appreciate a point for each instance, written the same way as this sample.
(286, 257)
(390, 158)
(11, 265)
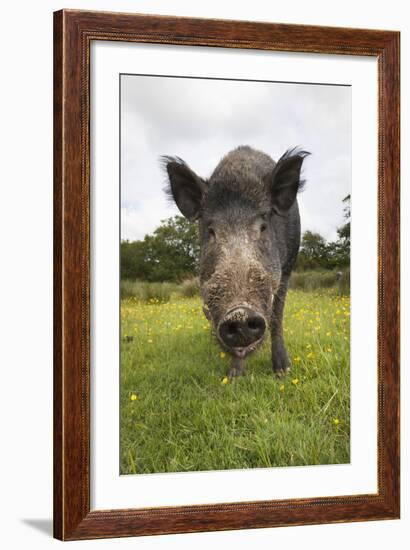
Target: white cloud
(138, 222)
(201, 120)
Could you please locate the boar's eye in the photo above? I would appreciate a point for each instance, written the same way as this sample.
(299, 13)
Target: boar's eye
(211, 233)
(263, 227)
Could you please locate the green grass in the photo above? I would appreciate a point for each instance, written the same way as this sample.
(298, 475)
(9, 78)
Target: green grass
(177, 414)
(189, 287)
(147, 292)
(317, 279)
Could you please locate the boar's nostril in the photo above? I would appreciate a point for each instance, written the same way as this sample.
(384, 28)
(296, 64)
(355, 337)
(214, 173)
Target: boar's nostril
(241, 327)
(256, 324)
(232, 327)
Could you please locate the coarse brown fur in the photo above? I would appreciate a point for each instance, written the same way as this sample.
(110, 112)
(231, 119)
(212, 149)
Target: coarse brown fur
(249, 230)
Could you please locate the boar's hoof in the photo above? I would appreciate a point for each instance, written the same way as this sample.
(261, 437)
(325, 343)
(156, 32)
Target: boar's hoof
(237, 368)
(234, 372)
(280, 373)
(280, 360)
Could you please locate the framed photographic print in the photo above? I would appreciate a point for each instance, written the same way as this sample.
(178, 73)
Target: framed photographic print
(226, 275)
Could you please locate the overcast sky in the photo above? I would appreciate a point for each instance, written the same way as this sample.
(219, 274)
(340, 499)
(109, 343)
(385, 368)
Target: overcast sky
(201, 120)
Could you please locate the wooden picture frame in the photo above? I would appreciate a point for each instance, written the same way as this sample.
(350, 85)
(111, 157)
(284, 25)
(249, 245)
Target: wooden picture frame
(73, 33)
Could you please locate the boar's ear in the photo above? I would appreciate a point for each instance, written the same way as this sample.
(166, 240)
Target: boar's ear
(285, 180)
(185, 187)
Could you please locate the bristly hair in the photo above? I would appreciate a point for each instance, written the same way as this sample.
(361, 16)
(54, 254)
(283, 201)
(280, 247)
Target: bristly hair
(164, 160)
(296, 152)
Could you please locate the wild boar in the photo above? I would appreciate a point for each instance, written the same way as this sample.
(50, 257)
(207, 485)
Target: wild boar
(249, 231)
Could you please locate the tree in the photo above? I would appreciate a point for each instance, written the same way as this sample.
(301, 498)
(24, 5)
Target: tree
(171, 253)
(313, 251)
(316, 253)
(341, 250)
(133, 260)
(344, 231)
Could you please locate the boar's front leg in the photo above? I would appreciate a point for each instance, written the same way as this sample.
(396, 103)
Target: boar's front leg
(237, 367)
(280, 359)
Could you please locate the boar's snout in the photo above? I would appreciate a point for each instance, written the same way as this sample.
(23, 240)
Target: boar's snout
(240, 328)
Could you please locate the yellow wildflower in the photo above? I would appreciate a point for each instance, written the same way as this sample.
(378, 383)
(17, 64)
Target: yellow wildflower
(222, 354)
(282, 387)
(133, 397)
(295, 381)
(336, 421)
(225, 380)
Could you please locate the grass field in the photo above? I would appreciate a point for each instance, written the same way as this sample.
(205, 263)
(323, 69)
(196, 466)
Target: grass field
(180, 413)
